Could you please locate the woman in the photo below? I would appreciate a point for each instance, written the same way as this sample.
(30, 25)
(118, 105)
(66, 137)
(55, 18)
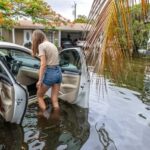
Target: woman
(49, 72)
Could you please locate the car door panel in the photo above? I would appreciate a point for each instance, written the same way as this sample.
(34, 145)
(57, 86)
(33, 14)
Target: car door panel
(27, 75)
(23, 67)
(69, 87)
(13, 97)
(20, 103)
(71, 73)
(6, 93)
(6, 96)
(75, 82)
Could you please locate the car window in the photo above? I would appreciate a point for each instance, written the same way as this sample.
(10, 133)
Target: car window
(25, 58)
(70, 59)
(3, 75)
(2, 71)
(16, 58)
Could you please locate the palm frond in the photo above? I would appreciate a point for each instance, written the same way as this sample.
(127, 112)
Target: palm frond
(110, 40)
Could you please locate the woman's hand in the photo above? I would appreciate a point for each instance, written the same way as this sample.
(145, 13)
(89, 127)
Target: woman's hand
(38, 84)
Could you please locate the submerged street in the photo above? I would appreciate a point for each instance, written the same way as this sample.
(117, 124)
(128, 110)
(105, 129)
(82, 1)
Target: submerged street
(95, 66)
(117, 118)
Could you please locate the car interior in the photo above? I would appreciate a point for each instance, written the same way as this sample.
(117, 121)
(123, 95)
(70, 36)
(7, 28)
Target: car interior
(25, 70)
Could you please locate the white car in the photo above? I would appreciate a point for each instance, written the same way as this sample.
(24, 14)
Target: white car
(19, 74)
(80, 43)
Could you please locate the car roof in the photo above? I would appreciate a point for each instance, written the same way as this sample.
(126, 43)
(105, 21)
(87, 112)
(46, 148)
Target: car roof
(12, 45)
(79, 49)
(16, 46)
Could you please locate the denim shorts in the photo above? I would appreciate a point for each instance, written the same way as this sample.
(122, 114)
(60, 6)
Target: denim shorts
(52, 76)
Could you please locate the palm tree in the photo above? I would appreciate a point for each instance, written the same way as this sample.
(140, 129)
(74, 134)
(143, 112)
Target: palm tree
(110, 39)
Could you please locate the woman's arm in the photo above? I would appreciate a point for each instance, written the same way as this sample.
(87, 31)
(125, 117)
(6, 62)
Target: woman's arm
(42, 69)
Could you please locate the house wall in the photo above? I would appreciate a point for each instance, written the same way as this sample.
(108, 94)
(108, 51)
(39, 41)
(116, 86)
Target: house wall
(55, 36)
(49, 35)
(7, 35)
(19, 36)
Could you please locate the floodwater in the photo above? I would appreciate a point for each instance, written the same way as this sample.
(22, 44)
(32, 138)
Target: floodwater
(118, 118)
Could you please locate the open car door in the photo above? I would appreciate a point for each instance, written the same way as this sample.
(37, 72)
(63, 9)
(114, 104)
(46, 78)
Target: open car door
(75, 78)
(13, 97)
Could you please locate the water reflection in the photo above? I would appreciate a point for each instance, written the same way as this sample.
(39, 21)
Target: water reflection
(146, 90)
(105, 140)
(65, 129)
(11, 137)
(119, 119)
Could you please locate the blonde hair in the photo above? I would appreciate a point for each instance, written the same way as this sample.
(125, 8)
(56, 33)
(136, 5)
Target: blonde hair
(38, 37)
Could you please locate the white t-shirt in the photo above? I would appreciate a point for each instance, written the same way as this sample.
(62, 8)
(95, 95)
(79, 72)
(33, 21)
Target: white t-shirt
(50, 51)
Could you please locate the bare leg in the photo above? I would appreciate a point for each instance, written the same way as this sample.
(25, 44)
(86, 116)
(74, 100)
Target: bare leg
(54, 95)
(40, 94)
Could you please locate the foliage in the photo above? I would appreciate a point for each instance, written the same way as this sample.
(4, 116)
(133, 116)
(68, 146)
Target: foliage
(39, 11)
(133, 77)
(1, 38)
(140, 34)
(110, 42)
(140, 29)
(81, 19)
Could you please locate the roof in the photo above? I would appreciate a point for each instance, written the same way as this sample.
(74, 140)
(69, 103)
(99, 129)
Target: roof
(73, 27)
(27, 24)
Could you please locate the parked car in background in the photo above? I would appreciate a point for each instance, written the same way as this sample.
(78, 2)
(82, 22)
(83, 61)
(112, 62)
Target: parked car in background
(80, 43)
(66, 44)
(19, 74)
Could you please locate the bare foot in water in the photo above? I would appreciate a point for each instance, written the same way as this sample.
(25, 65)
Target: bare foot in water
(45, 113)
(55, 114)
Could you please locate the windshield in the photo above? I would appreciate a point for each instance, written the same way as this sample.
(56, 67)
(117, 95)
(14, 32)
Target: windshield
(15, 59)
